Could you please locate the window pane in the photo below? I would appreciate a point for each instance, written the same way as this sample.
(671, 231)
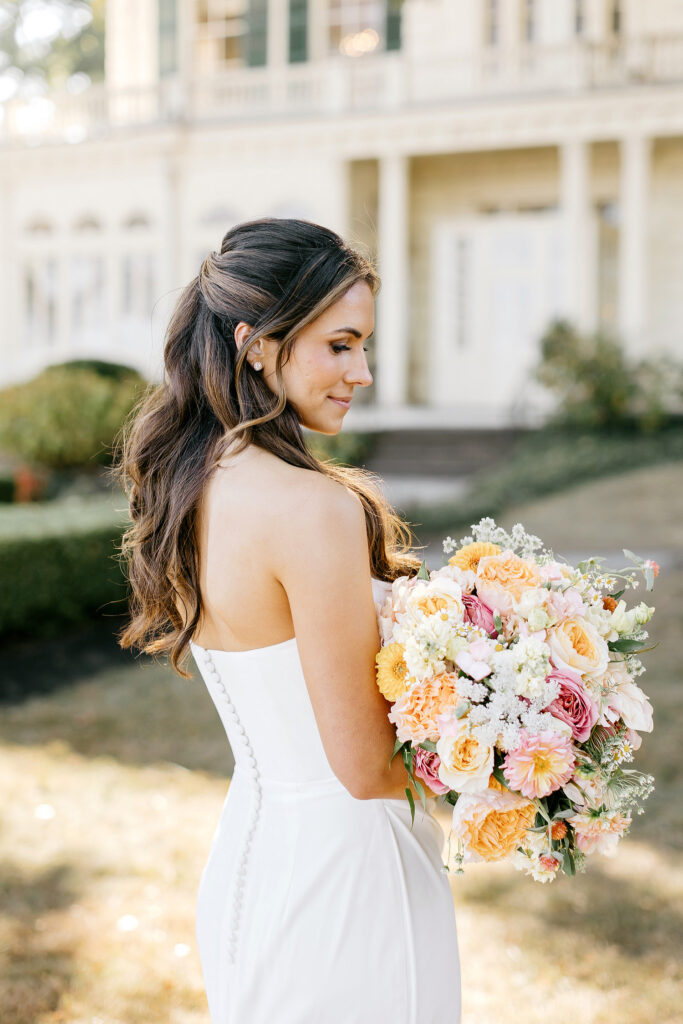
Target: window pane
(298, 30)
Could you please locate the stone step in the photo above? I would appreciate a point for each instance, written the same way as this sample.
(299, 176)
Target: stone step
(439, 453)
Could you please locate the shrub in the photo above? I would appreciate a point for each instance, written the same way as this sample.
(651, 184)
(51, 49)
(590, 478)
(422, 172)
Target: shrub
(599, 388)
(66, 417)
(352, 449)
(59, 562)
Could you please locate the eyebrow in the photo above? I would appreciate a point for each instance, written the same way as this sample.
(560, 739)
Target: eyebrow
(351, 330)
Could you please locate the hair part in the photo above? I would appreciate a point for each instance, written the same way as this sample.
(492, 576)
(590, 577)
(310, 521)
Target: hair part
(277, 275)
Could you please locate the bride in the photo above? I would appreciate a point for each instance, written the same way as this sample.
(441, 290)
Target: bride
(319, 903)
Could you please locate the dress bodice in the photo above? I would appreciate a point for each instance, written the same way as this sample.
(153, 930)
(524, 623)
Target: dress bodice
(264, 705)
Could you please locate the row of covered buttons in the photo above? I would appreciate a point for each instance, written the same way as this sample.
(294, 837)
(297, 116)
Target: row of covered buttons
(253, 821)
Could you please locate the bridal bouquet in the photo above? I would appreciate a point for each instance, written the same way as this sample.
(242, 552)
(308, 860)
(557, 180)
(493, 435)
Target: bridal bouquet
(511, 677)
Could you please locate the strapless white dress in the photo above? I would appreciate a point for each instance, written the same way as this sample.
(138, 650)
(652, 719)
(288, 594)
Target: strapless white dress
(315, 907)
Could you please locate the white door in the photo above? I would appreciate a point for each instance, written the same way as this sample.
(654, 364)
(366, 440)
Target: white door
(498, 280)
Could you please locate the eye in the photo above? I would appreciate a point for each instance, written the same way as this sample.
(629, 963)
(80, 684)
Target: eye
(344, 348)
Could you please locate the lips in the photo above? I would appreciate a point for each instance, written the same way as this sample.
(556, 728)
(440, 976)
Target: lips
(345, 402)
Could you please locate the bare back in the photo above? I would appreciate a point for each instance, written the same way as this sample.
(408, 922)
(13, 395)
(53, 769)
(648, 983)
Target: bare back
(245, 605)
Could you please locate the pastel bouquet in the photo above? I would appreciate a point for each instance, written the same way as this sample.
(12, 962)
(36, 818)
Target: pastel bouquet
(511, 676)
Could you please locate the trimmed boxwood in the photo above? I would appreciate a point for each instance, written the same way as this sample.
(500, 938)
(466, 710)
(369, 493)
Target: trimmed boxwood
(58, 563)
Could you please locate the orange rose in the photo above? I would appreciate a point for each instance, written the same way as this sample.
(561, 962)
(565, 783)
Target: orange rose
(491, 823)
(414, 713)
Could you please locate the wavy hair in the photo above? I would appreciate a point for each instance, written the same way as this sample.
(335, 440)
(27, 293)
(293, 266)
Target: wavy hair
(277, 275)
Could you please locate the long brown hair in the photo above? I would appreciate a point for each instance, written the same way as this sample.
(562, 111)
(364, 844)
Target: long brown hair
(277, 275)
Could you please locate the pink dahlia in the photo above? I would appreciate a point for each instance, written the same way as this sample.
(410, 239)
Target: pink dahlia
(541, 764)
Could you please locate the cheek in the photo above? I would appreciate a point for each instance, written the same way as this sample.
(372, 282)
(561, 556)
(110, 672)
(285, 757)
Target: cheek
(320, 369)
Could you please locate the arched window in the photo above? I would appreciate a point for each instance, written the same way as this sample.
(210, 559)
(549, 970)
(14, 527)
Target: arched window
(87, 224)
(139, 275)
(40, 297)
(137, 221)
(39, 227)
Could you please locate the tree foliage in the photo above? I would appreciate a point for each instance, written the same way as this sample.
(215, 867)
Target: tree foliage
(46, 42)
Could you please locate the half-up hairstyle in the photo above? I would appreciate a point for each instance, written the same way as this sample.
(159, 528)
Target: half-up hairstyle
(277, 275)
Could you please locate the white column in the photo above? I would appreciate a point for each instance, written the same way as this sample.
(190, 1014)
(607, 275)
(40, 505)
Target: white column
(575, 204)
(633, 238)
(277, 33)
(338, 202)
(392, 301)
(317, 30)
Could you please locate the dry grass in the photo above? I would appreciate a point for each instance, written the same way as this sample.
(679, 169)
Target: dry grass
(103, 839)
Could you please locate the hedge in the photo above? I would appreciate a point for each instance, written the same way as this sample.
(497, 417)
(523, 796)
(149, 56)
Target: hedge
(58, 563)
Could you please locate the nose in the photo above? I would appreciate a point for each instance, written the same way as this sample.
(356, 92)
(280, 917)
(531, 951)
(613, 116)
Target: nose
(359, 371)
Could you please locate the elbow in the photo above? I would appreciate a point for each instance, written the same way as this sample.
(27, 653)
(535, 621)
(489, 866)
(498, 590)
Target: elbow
(361, 787)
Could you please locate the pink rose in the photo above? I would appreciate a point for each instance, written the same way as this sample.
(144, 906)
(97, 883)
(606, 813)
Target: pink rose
(479, 614)
(565, 605)
(426, 767)
(573, 705)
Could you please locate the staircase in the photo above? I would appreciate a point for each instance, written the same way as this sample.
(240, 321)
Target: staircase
(441, 454)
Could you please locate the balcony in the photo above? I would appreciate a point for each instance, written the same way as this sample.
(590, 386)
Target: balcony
(391, 82)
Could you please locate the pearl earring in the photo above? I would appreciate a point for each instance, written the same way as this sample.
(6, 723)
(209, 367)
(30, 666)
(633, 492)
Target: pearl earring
(258, 366)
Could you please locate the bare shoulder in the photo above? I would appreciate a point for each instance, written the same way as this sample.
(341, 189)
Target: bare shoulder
(282, 502)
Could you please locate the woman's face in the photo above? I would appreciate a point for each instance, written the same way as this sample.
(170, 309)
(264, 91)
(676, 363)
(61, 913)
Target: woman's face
(327, 361)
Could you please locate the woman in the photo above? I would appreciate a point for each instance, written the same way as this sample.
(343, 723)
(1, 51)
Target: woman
(319, 904)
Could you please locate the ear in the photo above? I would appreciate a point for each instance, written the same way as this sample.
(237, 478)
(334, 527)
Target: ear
(241, 332)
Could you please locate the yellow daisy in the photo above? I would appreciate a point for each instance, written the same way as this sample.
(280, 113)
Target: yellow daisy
(391, 671)
(468, 557)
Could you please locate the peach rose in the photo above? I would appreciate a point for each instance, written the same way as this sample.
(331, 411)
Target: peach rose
(503, 578)
(491, 823)
(466, 762)
(414, 713)
(575, 644)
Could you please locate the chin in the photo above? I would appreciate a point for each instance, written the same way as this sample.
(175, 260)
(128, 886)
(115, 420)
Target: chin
(323, 428)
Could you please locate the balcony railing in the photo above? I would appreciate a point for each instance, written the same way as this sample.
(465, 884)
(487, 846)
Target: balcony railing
(391, 81)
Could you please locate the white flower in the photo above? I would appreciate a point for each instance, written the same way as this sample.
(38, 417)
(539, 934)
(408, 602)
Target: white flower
(466, 758)
(626, 621)
(465, 578)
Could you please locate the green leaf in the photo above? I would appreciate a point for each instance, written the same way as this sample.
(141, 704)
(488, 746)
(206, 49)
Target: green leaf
(568, 863)
(634, 558)
(461, 708)
(397, 746)
(412, 806)
(421, 793)
(617, 594)
(498, 774)
(423, 573)
(497, 621)
(428, 745)
(649, 578)
(625, 645)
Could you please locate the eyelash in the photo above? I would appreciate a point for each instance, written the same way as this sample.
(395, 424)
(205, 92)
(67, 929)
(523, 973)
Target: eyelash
(345, 348)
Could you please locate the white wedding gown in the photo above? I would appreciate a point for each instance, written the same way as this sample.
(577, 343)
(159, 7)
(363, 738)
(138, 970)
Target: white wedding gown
(315, 907)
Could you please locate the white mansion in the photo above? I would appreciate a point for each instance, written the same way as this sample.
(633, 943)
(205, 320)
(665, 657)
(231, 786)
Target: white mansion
(504, 161)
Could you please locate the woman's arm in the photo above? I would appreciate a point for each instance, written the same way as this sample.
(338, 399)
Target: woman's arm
(321, 558)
